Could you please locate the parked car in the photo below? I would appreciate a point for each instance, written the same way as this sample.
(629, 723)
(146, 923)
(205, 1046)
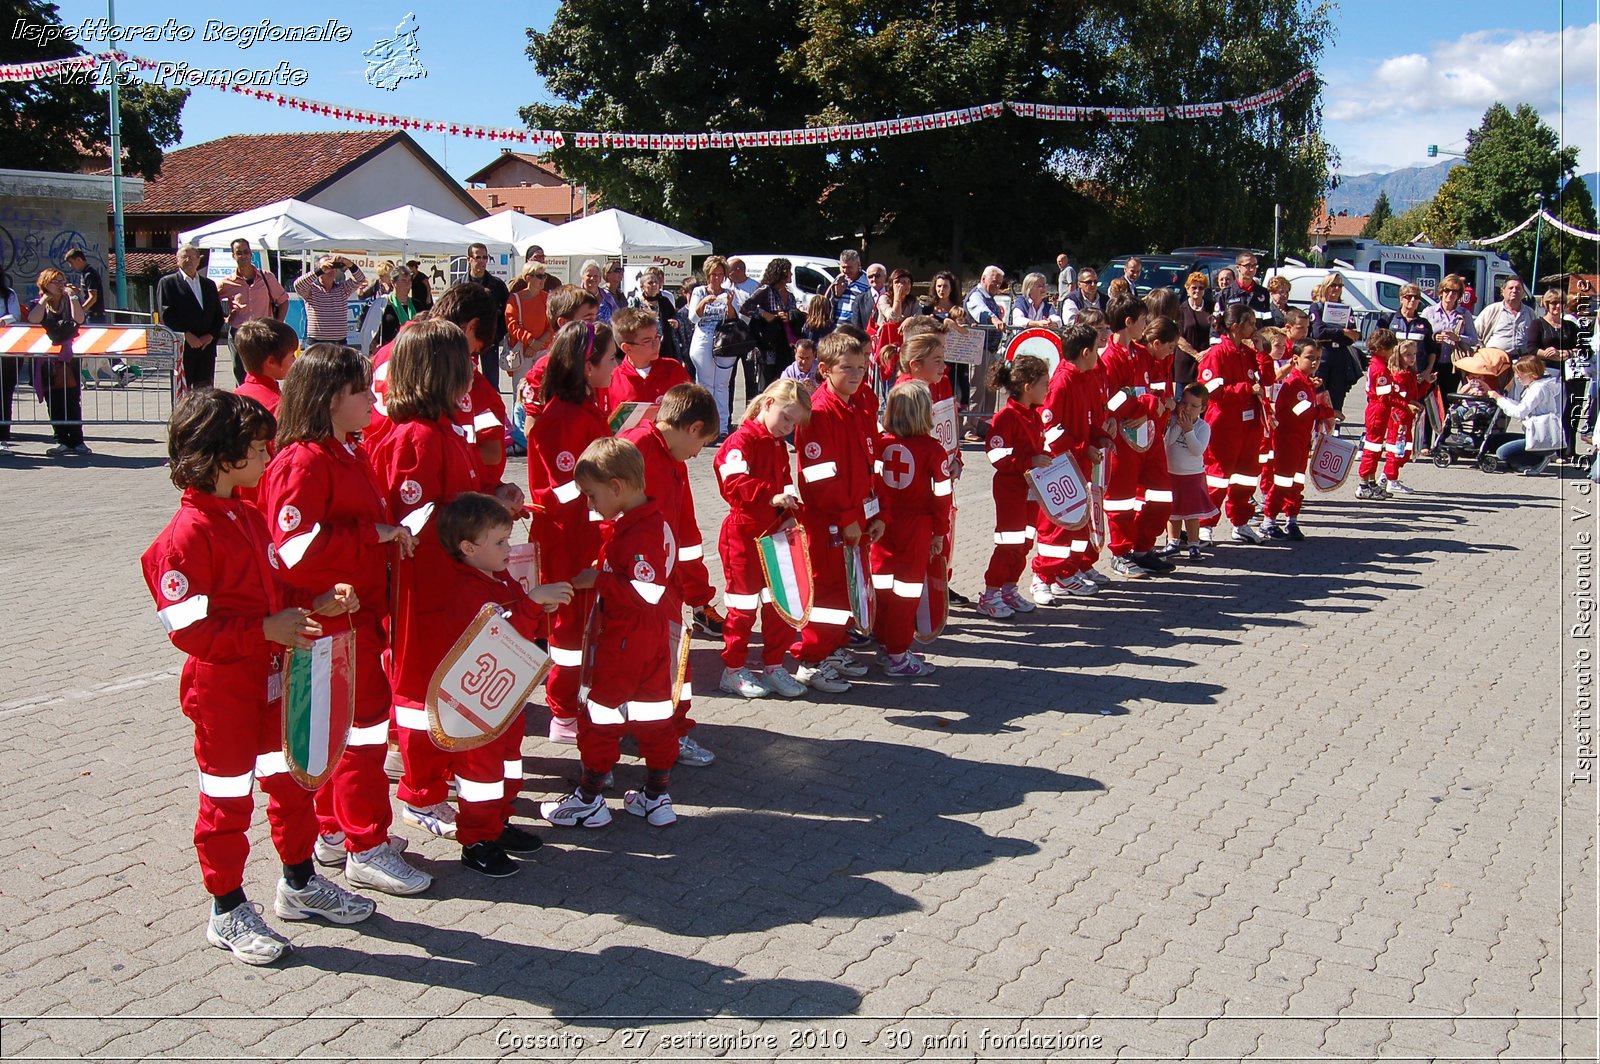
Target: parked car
(1159, 271)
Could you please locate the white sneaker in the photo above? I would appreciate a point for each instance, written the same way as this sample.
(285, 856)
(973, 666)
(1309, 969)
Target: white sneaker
(907, 665)
(1042, 595)
(1011, 595)
(657, 812)
(382, 868)
(564, 730)
(322, 897)
(573, 812)
(992, 603)
(1092, 575)
(1131, 569)
(845, 663)
(246, 934)
(1394, 487)
(438, 819)
(1246, 534)
(329, 849)
(1078, 584)
(822, 677)
(778, 680)
(1208, 535)
(742, 683)
(692, 753)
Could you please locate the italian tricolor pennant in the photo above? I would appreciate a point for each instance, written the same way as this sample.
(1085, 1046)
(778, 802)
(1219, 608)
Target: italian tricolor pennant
(319, 700)
(787, 566)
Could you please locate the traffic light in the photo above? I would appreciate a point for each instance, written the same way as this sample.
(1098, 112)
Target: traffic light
(1433, 151)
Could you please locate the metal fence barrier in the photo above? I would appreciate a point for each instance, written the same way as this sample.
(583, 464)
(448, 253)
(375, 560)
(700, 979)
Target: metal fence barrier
(125, 374)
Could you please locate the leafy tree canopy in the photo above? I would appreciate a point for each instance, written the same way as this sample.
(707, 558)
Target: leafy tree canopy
(1380, 216)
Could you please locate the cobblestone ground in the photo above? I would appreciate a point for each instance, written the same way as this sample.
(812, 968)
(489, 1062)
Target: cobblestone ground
(1317, 801)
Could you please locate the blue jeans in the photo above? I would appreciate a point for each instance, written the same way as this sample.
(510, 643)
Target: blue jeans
(1515, 454)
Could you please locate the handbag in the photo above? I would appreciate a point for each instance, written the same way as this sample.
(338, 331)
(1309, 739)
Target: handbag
(1544, 432)
(59, 329)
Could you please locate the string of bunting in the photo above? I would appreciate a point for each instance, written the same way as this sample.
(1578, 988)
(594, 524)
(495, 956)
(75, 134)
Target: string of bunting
(550, 138)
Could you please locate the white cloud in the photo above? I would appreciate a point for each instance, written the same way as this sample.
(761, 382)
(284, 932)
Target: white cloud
(1383, 116)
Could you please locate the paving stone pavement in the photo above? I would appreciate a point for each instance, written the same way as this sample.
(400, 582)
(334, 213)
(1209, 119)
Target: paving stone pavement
(1316, 801)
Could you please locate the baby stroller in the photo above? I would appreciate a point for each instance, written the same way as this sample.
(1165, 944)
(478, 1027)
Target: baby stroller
(1473, 417)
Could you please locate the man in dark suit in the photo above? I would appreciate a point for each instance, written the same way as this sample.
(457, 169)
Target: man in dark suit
(190, 306)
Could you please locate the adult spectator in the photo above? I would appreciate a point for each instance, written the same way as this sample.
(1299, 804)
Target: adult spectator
(421, 291)
(1278, 292)
(91, 285)
(710, 305)
(59, 309)
(478, 274)
(1540, 411)
(614, 285)
(1453, 329)
(398, 307)
(592, 280)
(249, 293)
(983, 308)
(380, 285)
(535, 253)
(775, 319)
(1087, 296)
(892, 309)
(1338, 368)
(190, 306)
(944, 306)
(327, 296)
(740, 281)
(851, 295)
(1409, 323)
(1033, 308)
(10, 314)
(651, 297)
(1132, 270)
(1244, 289)
(1556, 342)
(1064, 278)
(1509, 324)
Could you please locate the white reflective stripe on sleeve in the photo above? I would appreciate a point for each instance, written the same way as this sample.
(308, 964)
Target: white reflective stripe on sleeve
(1033, 533)
(907, 590)
(1299, 478)
(1158, 386)
(570, 659)
(651, 593)
(1268, 456)
(411, 718)
(565, 493)
(271, 764)
(1383, 389)
(1282, 481)
(765, 596)
(226, 786)
(691, 553)
(595, 516)
(1301, 407)
(604, 714)
(877, 467)
(1216, 482)
(820, 471)
(1117, 505)
(473, 791)
(998, 454)
(823, 615)
(513, 769)
(1054, 550)
(650, 710)
(1243, 480)
(1010, 539)
(942, 488)
(294, 548)
(741, 602)
(372, 735)
(882, 581)
(1116, 402)
(1080, 545)
(1158, 496)
(733, 467)
(485, 420)
(180, 615)
(1053, 434)
(1213, 384)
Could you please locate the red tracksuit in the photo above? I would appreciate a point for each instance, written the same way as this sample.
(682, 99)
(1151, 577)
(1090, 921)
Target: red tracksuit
(489, 777)
(1397, 436)
(1129, 375)
(480, 414)
(1015, 439)
(1379, 388)
(1233, 461)
(533, 406)
(1267, 373)
(914, 487)
(631, 692)
(666, 481)
(567, 531)
(213, 573)
(630, 385)
(1298, 408)
(1073, 420)
(324, 505)
(752, 467)
(836, 455)
(263, 390)
(419, 463)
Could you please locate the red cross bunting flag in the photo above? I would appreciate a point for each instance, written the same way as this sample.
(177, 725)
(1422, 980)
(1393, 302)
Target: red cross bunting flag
(478, 691)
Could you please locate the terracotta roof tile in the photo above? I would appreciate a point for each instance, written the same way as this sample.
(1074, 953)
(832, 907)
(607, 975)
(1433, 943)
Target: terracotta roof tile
(532, 160)
(547, 201)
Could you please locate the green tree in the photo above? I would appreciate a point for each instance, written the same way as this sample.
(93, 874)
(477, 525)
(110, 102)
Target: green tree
(58, 124)
(1576, 208)
(1403, 228)
(1381, 214)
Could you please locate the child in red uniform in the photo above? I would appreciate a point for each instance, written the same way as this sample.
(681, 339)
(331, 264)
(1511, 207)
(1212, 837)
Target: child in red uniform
(1405, 403)
(836, 454)
(922, 355)
(1301, 404)
(1161, 335)
(330, 522)
(1233, 460)
(567, 303)
(475, 531)
(1016, 445)
(213, 574)
(631, 686)
(266, 348)
(1380, 385)
(685, 423)
(752, 469)
(582, 361)
(421, 463)
(914, 487)
(1073, 420)
(1139, 410)
(643, 376)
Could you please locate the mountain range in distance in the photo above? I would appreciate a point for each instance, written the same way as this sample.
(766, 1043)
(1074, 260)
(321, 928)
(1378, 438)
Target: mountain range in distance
(1406, 188)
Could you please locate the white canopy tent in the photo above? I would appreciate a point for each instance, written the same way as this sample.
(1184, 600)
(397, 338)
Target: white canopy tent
(618, 234)
(289, 226)
(511, 227)
(422, 232)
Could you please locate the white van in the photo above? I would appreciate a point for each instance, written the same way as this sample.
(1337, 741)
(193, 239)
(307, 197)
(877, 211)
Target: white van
(1484, 269)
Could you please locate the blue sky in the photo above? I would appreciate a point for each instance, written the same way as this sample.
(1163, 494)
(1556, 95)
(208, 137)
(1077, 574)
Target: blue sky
(1397, 78)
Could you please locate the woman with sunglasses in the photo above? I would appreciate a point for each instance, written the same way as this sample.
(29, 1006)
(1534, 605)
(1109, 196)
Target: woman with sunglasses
(1339, 369)
(1556, 342)
(1456, 334)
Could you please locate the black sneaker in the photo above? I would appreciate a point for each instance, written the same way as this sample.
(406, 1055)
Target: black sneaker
(518, 840)
(707, 621)
(1271, 530)
(1294, 533)
(957, 598)
(1151, 562)
(488, 859)
(860, 639)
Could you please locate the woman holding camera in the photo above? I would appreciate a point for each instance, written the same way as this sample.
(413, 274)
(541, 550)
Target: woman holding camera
(59, 309)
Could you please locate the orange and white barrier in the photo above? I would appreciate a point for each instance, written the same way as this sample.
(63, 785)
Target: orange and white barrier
(91, 340)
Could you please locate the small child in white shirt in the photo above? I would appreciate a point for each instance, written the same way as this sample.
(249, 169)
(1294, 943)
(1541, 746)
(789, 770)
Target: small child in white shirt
(1187, 438)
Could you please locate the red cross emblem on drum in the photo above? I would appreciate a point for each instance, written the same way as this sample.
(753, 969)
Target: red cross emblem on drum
(898, 466)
